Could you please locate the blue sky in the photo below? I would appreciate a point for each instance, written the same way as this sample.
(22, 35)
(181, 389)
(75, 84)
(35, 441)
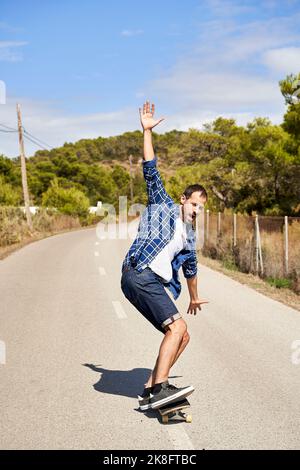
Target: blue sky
(82, 69)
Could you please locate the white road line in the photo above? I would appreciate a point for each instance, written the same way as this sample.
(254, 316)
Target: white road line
(96, 253)
(2, 352)
(101, 271)
(179, 437)
(119, 309)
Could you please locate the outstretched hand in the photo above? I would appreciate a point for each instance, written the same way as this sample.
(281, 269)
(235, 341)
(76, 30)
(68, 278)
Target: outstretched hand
(194, 304)
(146, 116)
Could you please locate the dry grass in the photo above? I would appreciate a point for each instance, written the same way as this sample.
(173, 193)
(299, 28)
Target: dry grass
(7, 250)
(14, 232)
(242, 256)
(13, 227)
(44, 221)
(285, 296)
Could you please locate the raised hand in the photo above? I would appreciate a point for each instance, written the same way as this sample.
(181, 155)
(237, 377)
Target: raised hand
(146, 116)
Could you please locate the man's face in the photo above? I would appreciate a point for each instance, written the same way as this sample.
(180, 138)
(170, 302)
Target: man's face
(192, 206)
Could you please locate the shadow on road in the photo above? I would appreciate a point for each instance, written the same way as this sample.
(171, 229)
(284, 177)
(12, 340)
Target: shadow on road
(127, 383)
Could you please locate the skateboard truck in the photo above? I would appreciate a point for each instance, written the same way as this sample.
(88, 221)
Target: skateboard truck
(174, 411)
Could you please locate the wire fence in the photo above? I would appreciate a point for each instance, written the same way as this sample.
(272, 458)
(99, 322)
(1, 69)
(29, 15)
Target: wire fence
(268, 246)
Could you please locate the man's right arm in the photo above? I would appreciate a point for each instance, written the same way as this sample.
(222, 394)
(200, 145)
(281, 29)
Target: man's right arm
(148, 122)
(155, 188)
(148, 146)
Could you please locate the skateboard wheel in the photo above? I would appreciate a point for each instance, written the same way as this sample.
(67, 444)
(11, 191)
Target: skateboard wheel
(189, 419)
(165, 419)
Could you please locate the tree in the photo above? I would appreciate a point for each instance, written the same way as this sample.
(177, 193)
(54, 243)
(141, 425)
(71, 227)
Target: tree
(8, 196)
(69, 201)
(290, 89)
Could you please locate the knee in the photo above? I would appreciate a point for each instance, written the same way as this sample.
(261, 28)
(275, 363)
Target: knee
(179, 327)
(186, 338)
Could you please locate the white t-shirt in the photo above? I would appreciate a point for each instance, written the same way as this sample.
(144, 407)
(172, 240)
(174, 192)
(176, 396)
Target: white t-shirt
(161, 264)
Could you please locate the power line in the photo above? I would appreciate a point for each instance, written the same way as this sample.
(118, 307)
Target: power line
(11, 129)
(36, 138)
(34, 142)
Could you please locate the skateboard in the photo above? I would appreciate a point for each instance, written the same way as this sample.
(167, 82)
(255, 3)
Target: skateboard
(173, 411)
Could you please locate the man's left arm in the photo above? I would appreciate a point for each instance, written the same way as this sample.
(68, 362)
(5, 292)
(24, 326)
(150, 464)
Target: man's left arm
(195, 301)
(190, 270)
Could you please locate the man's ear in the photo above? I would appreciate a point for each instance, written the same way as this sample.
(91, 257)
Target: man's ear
(182, 198)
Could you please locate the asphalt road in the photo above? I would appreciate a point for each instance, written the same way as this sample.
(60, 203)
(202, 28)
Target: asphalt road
(77, 354)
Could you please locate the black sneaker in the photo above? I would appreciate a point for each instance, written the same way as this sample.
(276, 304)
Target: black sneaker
(165, 393)
(144, 399)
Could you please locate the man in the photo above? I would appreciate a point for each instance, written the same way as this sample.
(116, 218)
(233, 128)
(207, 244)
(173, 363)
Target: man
(165, 242)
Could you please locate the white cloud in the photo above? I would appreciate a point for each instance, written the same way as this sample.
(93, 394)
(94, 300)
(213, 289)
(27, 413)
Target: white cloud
(8, 52)
(284, 60)
(222, 73)
(230, 7)
(9, 29)
(200, 98)
(131, 32)
(190, 86)
(12, 43)
(272, 4)
(55, 127)
(227, 41)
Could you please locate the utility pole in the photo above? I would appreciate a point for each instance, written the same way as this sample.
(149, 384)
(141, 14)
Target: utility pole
(131, 180)
(23, 170)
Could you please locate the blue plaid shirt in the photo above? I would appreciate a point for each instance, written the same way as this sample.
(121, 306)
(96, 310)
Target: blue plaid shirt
(156, 229)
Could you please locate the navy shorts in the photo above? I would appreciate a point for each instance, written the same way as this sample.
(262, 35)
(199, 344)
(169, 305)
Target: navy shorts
(146, 292)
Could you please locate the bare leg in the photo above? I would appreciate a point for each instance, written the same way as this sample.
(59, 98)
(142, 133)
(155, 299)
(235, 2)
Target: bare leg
(183, 344)
(169, 352)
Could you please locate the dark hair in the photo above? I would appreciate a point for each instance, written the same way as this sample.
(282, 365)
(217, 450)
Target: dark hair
(194, 188)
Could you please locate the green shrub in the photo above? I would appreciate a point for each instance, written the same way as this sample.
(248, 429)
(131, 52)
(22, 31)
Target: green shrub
(70, 201)
(279, 282)
(8, 195)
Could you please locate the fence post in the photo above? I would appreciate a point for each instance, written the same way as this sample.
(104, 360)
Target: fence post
(234, 229)
(200, 233)
(219, 225)
(258, 251)
(256, 244)
(207, 225)
(131, 179)
(286, 244)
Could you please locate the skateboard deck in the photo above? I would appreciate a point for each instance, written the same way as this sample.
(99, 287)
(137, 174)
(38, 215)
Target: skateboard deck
(173, 411)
